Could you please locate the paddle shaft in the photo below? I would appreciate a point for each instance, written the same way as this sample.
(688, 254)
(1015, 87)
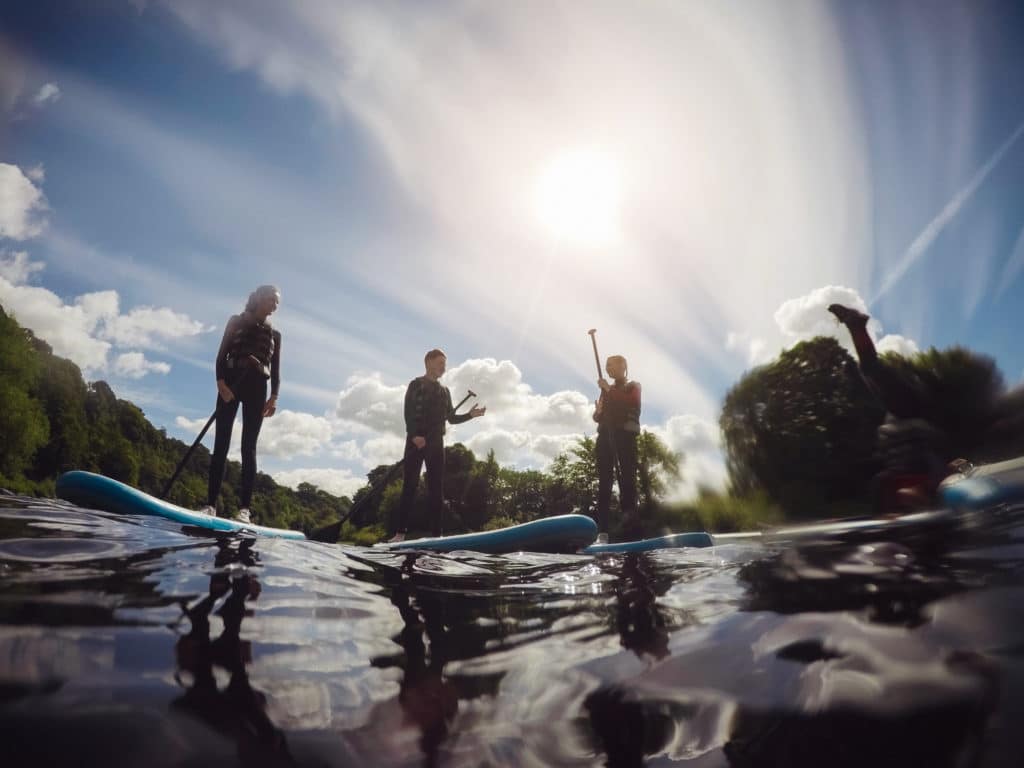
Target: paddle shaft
(202, 434)
(329, 533)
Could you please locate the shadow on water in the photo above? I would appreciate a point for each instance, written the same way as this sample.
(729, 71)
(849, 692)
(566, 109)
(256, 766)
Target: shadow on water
(140, 644)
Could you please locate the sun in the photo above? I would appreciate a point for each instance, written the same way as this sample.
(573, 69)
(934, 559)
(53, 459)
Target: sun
(577, 198)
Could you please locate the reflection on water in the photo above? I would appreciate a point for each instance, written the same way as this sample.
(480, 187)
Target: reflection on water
(132, 642)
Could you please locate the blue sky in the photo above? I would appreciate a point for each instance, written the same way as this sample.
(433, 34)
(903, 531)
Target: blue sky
(696, 180)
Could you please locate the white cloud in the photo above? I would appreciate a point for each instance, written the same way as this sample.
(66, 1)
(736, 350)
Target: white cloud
(134, 365)
(21, 202)
(340, 482)
(699, 441)
(753, 348)
(86, 329)
(285, 435)
(37, 173)
(48, 94)
(144, 326)
(289, 434)
(901, 345)
(16, 268)
(807, 316)
(367, 403)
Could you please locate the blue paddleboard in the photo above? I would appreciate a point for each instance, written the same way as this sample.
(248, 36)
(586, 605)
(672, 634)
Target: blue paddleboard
(563, 533)
(672, 541)
(985, 486)
(99, 492)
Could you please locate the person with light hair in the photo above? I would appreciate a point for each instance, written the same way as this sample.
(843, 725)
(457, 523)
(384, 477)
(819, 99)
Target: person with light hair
(249, 356)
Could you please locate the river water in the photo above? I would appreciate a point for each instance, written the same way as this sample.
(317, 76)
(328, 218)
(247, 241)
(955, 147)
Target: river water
(130, 641)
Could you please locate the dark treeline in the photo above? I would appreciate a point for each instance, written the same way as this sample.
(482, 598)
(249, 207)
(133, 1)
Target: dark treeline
(799, 435)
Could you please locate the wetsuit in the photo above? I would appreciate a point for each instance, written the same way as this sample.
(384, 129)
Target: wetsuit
(909, 445)
(617, 428)
(249, 356)
(428, 405)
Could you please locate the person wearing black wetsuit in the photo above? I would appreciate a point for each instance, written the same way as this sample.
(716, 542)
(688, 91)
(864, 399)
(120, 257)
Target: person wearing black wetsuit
(909, 444)
(428, 405)
(618, 425)
(249, 356)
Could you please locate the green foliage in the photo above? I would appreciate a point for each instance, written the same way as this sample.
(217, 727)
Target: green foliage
(23, 424)
(802, 429)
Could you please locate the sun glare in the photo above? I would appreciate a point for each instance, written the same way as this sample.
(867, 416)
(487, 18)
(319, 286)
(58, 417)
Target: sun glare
(577, 198)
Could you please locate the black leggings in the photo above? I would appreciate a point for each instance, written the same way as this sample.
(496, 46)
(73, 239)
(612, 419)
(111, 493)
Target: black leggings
(615, 444)
(251, 392)
(432, 455)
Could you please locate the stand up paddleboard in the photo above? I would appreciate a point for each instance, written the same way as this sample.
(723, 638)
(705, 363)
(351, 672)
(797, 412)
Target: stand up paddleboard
(100, 492)
(562, 533)
(985, 486)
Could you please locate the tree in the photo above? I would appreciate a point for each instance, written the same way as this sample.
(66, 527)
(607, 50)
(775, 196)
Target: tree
(802, 428)
(658, 467)
(573, 486)
(23, 422)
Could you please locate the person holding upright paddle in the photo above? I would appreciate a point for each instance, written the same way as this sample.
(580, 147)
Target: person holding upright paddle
(618, 424)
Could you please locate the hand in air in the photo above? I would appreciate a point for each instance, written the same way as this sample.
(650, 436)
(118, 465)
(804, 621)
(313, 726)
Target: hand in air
(271, 407)
(477, 411)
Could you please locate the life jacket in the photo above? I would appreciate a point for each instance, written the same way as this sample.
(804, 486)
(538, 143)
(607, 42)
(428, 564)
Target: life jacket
(621, 413)
(252, 340)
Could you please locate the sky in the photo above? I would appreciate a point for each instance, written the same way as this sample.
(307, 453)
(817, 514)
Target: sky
(695, 180)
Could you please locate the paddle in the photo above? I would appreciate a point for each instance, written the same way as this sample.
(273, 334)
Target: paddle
(611, 438)
(202, 434)
(329, 533)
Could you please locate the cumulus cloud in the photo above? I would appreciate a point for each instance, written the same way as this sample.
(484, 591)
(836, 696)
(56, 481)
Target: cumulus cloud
(340, 482)
(85, 330)
(37, 173)
(16, 267)
(286, 435)
(753, 348)
(47, 94)
(901, 345)
(21, 203)
(367, 404)
(146, 326)
(289, 434)
(807, 316)
(134, 365)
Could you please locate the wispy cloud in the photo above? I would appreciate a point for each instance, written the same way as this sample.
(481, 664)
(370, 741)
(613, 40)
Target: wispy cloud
(47, 94)
(934, 228)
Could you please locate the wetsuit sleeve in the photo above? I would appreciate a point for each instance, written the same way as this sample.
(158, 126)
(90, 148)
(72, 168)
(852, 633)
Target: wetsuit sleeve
(454, 418)
(415, 410)
(221, 365)
(275, 365)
